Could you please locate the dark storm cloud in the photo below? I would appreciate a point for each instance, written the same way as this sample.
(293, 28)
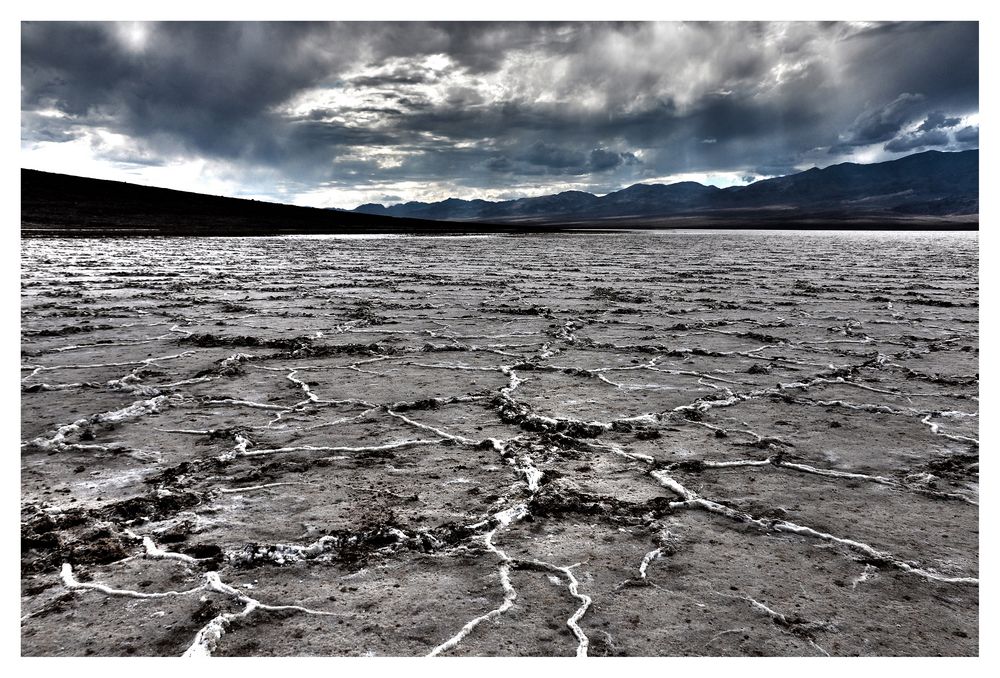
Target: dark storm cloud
(882, 123)
(919, 140)
(211, 85)
(939, 60)
(553, 157)
(937, 120)
(545, 159)
(967, 135)
(602, 160)
(488, 105)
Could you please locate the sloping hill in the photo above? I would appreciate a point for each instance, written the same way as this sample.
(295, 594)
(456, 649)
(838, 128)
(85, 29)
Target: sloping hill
(68, 205)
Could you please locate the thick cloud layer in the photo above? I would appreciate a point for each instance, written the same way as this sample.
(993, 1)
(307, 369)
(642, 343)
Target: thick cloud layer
(338, 114)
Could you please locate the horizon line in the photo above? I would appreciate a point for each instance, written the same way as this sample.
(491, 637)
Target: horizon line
(496, 202)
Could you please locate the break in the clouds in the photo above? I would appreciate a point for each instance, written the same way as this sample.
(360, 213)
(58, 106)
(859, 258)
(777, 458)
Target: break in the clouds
(341, 114)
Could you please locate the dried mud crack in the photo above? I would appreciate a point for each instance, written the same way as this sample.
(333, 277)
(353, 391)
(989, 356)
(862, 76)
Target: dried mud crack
(629, 444)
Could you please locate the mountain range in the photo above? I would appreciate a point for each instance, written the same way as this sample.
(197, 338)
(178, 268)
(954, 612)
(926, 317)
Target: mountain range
(932, 185)
(926, 191)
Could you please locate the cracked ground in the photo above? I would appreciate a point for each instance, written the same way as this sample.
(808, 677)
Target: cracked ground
(590, 444)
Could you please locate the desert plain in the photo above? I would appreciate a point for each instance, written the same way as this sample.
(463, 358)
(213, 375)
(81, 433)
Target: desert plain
(604, 444)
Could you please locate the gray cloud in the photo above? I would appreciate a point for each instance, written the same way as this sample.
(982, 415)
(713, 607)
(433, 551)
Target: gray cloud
(545, 159)
(919, 140)
(883, 122)
(554, 157)
(602, 159)
(464, 108)
(937, 120)
(967, 135)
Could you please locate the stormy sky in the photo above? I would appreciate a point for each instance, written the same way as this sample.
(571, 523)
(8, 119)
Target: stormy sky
(343, 114)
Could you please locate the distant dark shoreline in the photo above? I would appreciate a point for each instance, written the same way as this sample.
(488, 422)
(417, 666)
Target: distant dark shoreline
(476, 229)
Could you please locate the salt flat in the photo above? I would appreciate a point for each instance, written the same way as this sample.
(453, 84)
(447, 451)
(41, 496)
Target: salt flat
(635, 443)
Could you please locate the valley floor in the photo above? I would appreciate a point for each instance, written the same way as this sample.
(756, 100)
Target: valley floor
(605, 444)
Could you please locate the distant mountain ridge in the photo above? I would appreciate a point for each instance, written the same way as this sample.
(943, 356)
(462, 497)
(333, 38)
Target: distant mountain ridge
(926, 191)
(932, 184)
